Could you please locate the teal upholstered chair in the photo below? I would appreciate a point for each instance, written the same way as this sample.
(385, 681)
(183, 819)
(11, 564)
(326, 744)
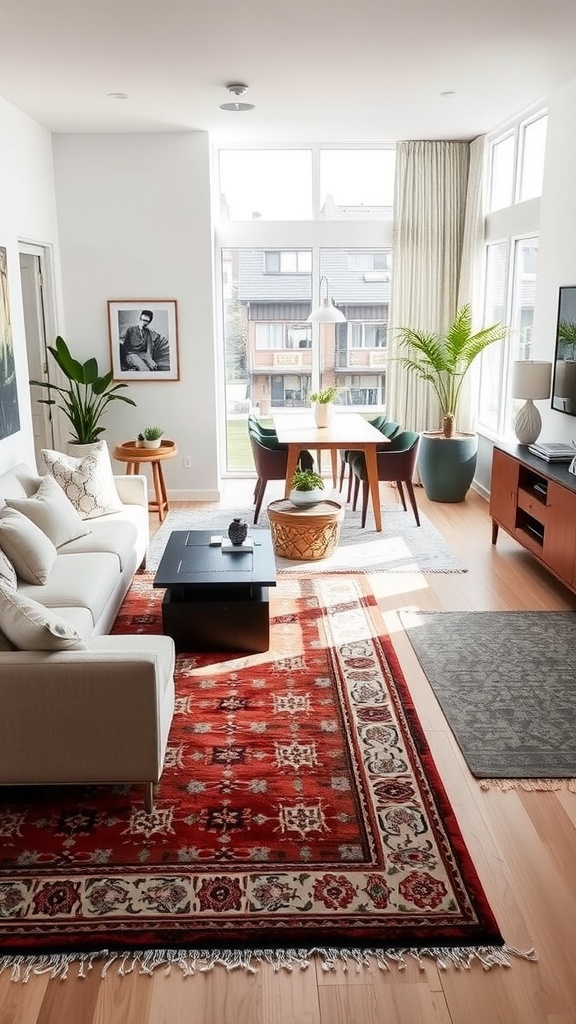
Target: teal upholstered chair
(271, 462)
(389, 428)
(377, 422)
(396, 464)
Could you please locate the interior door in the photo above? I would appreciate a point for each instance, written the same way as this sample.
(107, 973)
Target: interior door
(33, 299)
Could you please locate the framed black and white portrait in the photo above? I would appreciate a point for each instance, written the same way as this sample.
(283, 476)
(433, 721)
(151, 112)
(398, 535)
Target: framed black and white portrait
(143, 339)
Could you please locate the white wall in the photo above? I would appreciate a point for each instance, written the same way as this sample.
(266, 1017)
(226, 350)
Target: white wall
(27, 212)
(134, 221)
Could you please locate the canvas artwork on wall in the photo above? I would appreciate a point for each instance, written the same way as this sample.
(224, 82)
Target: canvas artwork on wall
(9, 412)
(143, 339)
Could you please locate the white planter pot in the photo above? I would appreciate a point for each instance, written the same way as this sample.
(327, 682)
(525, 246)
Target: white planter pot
(323, 412)
(307, 497)
(78, 451)
(152, 444)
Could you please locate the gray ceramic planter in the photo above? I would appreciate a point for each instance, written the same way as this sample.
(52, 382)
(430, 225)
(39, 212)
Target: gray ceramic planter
(446, 465)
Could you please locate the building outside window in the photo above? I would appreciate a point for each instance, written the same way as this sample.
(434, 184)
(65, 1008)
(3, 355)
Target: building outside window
(272, 358)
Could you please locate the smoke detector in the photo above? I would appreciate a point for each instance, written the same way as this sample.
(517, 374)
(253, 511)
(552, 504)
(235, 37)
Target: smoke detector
(237, 89)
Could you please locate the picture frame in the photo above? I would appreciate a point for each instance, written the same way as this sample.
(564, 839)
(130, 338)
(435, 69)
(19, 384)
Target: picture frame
(9, 409)
(143, 335)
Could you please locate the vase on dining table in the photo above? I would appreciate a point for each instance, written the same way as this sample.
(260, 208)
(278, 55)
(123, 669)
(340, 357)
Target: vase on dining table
(323, 412)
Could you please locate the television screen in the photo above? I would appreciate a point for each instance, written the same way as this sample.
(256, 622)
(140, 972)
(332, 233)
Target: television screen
(564, 382)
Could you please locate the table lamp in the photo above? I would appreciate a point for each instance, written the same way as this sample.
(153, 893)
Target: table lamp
(530, 380)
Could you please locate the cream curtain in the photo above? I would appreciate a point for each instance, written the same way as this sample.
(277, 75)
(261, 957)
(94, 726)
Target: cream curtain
(437, 237)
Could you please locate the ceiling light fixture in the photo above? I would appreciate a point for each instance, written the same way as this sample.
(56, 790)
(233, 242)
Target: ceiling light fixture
(237, 89)
(327, 313)
(118, 95)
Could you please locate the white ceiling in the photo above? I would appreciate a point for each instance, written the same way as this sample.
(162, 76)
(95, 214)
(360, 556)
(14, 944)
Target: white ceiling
(324, 70)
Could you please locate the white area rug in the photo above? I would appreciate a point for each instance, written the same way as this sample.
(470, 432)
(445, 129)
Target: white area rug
(401, 547)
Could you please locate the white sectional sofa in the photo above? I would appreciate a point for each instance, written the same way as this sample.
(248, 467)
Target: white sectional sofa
(98, 710)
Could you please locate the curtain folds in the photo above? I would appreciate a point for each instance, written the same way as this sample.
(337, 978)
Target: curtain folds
(437, 239)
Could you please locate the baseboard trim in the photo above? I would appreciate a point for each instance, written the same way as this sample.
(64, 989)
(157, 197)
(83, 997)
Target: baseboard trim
(193, 495)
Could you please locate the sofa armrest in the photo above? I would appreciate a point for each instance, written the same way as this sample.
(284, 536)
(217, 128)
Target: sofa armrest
(133, 490)
(99, 715)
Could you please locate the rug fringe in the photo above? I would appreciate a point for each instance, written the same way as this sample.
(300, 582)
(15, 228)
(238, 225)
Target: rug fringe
(190, 962)
(530, 785)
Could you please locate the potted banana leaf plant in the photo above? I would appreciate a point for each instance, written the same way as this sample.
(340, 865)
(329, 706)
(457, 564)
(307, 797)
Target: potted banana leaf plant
(447, 457)
(86, 397)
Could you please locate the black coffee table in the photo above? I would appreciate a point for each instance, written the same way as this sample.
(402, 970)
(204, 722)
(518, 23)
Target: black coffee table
(216, 600)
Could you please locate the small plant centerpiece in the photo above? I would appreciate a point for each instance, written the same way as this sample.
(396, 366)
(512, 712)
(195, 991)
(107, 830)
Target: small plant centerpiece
(447, 459)
(151, 437)
(85, 398)
(307, 487)
(323, 405)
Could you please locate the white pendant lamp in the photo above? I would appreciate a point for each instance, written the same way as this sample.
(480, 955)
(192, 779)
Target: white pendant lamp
(326, 312)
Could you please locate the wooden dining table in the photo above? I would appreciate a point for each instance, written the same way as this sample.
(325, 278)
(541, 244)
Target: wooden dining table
(347, 431)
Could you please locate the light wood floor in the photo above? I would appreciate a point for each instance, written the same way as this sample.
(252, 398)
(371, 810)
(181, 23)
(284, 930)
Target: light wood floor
(523, 845)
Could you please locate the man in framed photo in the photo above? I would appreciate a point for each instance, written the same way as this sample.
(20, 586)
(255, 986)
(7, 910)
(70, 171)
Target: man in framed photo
(142, 348)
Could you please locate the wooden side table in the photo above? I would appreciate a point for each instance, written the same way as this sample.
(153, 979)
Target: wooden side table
(134, 456)
(305, 533)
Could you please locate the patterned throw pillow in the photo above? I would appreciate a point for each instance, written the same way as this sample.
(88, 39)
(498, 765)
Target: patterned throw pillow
(87, 481)
(31, 552)
(52, 512)
(31, 627)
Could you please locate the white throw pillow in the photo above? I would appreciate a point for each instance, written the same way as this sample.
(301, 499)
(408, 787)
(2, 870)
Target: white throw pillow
(52, 512)
(7, 571)
(31, 627)
(31, 552)
(88, 482)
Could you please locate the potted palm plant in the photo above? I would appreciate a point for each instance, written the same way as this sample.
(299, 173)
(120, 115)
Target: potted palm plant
(447, 458)
(85, 398)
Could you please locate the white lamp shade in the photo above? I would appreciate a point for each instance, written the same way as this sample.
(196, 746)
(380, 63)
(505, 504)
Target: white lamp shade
(531, 378)
(327, 313)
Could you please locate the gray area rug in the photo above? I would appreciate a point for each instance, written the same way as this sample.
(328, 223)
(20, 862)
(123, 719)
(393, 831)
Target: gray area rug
(401, 547)
(506, 682)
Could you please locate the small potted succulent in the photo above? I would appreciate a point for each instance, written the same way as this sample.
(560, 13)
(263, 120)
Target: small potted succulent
(151, 437)
(307, 487)
(323, 405)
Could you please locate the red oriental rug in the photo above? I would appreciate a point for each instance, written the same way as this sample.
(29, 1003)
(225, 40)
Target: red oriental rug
(299, 811)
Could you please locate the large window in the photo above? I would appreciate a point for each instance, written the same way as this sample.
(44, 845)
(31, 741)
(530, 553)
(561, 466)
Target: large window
(516, 168)
(270, 269)
(517, 163)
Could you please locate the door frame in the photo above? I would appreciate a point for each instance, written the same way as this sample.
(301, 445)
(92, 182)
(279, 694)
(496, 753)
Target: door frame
(46, 331)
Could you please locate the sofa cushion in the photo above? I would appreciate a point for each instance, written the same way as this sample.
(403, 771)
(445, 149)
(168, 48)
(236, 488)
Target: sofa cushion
(7, 571)
(31, 552)
(120, 540)
(83, 580)
(87, 481)
(30, 627)
(52, 512)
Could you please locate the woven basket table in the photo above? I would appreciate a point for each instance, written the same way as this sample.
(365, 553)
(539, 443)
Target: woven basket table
(305, 533)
